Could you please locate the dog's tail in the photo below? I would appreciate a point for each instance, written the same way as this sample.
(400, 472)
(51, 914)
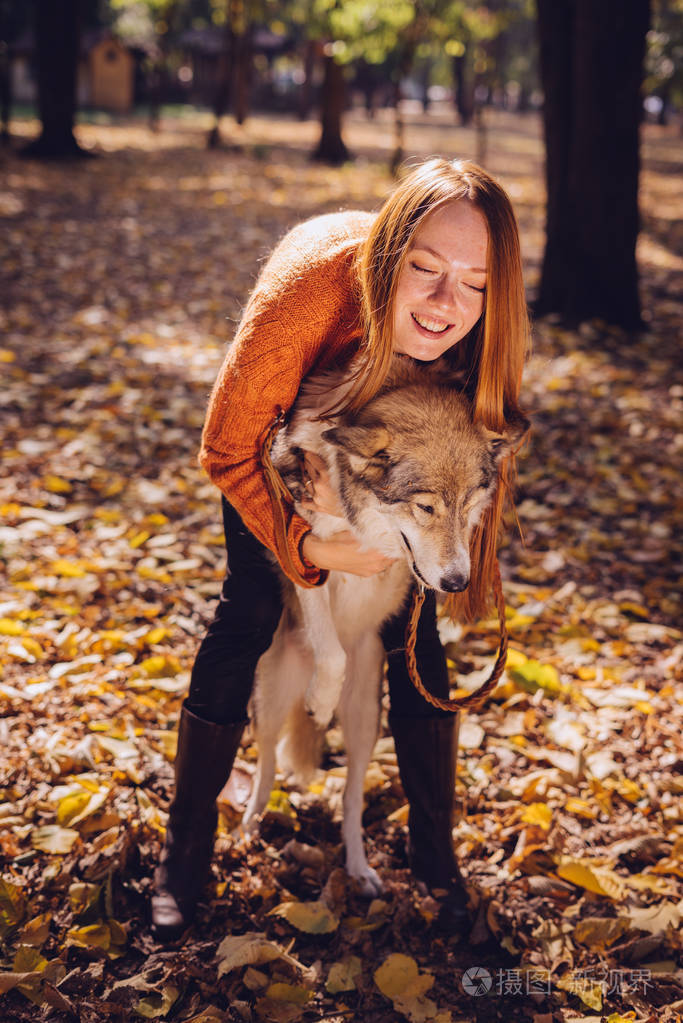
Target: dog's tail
(299, 751)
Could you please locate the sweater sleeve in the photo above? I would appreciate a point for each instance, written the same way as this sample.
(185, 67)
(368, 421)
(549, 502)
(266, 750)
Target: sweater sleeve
(302, 311)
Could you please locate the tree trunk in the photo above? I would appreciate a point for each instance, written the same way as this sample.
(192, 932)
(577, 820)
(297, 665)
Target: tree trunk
(223, 85)
(5, 92)
(57, 28)
(331, 148)
(306, 93)
(464, 91)
(242, 76)
(591, 57)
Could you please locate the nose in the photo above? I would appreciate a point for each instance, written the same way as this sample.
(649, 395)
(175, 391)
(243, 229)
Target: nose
(454, 582)
(444, 295)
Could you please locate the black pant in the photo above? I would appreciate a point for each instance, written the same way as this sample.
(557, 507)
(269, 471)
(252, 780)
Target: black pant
(247, 615)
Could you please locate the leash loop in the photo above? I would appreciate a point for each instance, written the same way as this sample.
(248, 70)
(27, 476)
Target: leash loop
(477, 697)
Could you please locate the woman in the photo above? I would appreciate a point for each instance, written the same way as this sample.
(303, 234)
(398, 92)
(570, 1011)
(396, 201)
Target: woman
(436, 272)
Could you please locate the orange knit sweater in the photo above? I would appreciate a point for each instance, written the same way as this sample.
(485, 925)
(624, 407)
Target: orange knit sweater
(302, 316)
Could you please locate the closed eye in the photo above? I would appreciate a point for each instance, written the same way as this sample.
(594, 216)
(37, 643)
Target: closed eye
(479, 291)
(422, 269)
(427, 508)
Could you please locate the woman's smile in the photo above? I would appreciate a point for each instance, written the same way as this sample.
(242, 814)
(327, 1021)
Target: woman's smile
(441, 287)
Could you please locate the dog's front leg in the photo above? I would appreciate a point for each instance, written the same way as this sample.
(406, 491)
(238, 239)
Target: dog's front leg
(329, 660)
(359, 718)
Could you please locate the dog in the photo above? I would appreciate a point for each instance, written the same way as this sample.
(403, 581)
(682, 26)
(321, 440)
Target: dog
(414, 475)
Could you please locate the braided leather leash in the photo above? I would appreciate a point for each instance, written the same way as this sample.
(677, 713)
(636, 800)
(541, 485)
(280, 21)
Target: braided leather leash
(280, 498)
(477, 697)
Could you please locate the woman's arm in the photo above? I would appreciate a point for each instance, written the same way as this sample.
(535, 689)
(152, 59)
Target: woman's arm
(302, 313)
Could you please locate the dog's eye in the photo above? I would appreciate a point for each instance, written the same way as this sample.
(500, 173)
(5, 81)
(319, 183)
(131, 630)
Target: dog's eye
(428, 509)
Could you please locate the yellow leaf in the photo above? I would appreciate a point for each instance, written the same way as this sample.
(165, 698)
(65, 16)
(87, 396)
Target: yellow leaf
(36, 931)
(109, 936)
(156, 519)
(159, 666)
(71, 806)
(155, 636)
(12, 905)
(396, 973)
(157, 1003)
(67, 569)
(588, 990)
(581, 807)
(280, 803)
(32, 647)
(585, 874)
(599, 931)
(310, 917)
(8, 627)
(539, 814)
(84, 897)
(293, 993)
(27, 959)
(52, 839)
(139, 538)
(6, 355)
(56, 485)
(90, 936)
(343, 975)
(532, 675)
(515, 658)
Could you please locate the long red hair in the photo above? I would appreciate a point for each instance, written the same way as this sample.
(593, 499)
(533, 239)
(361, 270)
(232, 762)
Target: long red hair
(492, 354)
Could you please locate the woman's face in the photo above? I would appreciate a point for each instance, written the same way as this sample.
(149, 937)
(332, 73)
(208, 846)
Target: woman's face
(440, 291)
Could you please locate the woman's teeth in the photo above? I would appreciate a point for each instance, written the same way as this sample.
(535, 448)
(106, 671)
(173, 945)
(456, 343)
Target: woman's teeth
(435, 326)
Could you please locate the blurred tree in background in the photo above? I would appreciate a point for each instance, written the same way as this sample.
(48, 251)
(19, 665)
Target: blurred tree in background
(591, 58)
(595, 61)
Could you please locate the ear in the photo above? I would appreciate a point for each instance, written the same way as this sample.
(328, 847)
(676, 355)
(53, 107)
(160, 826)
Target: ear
(366, 441)
(364, 445)
(502, 444)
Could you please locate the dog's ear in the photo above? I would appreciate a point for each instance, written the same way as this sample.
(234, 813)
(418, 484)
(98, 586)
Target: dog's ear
(502, 444)
(364, 445)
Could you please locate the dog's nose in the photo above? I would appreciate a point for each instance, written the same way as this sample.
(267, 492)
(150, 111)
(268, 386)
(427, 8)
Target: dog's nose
(454, 582)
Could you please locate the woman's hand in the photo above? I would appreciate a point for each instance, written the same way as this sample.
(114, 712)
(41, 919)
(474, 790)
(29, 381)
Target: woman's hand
(320, 494)
(343, 553)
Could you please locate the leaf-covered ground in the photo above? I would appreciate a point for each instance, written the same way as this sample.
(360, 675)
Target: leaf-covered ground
(121, 280)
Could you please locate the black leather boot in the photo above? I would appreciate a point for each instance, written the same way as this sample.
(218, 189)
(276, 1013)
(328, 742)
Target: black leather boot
(205, 756)
(426, 750)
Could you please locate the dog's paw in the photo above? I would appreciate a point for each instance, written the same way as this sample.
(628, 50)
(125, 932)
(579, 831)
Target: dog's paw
(368, 882)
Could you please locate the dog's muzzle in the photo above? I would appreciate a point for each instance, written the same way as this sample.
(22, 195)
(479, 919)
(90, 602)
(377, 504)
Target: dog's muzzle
(416, 570)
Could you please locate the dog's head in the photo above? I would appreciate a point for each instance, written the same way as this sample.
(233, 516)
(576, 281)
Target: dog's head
(416, 475)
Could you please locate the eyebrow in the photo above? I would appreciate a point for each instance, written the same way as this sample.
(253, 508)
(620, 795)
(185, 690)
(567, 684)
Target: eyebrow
(428, 248)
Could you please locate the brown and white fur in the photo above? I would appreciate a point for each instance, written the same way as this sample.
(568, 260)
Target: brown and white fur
(414, 475)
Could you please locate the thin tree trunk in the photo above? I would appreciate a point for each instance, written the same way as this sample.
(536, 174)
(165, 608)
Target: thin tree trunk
(222, 95)
(242, 76)
(591, 68)
(306, 92)
(331, 148)
(57, 28)
(464, 92)
(5, 91)
(399, 131)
